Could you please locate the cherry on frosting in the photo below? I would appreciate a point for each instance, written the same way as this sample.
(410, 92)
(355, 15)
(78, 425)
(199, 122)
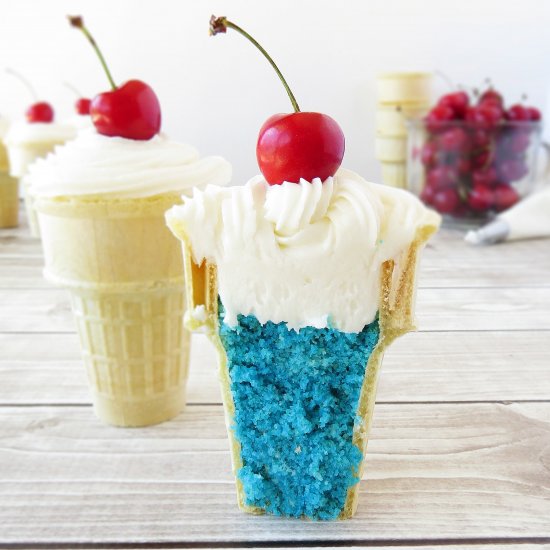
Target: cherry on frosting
(294, 145)
(39, 111)
(131, 110)
(82, 105)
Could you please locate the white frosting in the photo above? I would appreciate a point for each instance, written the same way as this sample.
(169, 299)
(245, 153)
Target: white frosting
(22, 133)
(307, 254)
(80, 122)
(93, 164)
(4, 125)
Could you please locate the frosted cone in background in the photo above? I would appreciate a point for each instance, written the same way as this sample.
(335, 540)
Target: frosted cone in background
(9, 186)
(9, 201)
(27, 142)
(21, 156)
(123, 269)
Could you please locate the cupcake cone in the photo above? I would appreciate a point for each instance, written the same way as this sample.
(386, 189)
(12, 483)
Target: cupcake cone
(9, 201)
(124, 272)
(329, 484)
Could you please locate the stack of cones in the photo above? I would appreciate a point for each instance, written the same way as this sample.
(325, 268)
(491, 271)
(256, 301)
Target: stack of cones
(401, 96)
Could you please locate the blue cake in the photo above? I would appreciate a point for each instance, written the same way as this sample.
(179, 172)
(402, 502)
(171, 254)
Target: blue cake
(296, 395)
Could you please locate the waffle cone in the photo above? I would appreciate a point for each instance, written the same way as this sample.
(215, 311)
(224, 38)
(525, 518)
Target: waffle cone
(124, 271)
(9, 201)
(396, 317)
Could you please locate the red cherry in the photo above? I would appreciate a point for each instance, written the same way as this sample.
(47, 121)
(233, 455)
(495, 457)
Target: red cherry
(480, 198)
(519, 142)
(484, 178)
(428, 154)
(482, 159)
(436, 118)
(505, 196)
(446, 201)
(485, 116)
(480, 139)
(454, 140)
(427, 194)
(512, 169)
(299, 145)
(441, 177)
(131, 111)
(40, 112)
(82, 106)
(517, 113)
(534, 113)
(457, 101)
(464, 165)
(491, 96)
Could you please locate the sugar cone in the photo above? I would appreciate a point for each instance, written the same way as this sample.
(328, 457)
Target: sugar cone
(21, 156)
(396, 317)
(124, 271)
(9, 201)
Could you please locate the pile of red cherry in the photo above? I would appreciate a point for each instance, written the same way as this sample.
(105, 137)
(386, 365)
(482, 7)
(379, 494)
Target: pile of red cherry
(474, 152)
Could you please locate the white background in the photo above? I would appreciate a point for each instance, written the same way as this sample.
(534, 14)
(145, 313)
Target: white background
(216, 92)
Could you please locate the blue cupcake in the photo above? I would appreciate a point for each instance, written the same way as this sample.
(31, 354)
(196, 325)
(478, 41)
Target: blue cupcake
(301, 287)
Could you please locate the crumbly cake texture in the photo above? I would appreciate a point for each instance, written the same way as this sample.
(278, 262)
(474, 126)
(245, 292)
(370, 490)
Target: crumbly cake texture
(395, 318)
(295, 396)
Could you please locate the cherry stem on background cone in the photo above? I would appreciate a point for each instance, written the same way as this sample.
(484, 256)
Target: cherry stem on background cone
(78, 23)
(72, 88)
(25, 82)
(221, 24)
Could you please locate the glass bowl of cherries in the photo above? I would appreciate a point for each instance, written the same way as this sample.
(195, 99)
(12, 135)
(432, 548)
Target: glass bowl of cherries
(471, 158)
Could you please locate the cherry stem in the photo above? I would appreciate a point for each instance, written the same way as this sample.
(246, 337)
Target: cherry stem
(223, 23)
(78, 22)
(72, 88)
(445, 78)
(24, 81)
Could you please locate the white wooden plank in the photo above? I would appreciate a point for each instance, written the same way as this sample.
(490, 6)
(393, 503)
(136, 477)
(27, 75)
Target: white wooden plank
(465, 472)
(39, 310)
(424, 366)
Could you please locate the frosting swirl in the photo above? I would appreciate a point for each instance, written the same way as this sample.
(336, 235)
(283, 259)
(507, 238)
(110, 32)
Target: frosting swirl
(93, 164)
(23, 133)
(307, 254)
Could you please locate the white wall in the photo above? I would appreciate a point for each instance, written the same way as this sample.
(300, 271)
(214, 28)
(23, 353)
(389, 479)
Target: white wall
(217, 91)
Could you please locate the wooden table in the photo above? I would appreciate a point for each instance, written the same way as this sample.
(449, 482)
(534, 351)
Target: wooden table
(459, 454)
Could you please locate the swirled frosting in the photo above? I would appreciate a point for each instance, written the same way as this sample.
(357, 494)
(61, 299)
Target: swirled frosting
(307, 254)
(23, 133)
(93, 164)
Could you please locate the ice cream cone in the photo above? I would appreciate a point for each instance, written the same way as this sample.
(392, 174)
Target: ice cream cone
(404, 88)
(9, 201)
(27, 142)
(391, 120)
(390, 149)
(124, 272)
(395, 317)
(394, 174)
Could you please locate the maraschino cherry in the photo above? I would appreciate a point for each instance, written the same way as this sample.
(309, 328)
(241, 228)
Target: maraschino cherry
(293, 146)
(131, 110)
(39, 111)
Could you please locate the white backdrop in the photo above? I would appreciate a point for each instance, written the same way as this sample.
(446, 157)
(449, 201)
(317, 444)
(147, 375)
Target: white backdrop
(216, 92)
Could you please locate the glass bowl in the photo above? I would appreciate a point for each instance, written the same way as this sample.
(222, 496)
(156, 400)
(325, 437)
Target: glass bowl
(469, 173)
